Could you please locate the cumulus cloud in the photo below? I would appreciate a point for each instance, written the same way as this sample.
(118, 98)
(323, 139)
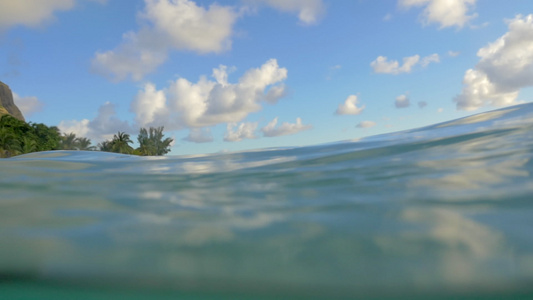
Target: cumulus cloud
(349, 107)
(385, 66)
(309, 11)
(243, 131)
(150, 106)
(402, 101)
(207, 102)
(270, 130)
(366, 124)
(102, 127)
(30, 13)
(505, 67)
(133, 58)
(27, 105)
(446, 13)
(169, 24)
(199, 135)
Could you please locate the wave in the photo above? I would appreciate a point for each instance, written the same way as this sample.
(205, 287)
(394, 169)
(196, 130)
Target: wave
(440, 210)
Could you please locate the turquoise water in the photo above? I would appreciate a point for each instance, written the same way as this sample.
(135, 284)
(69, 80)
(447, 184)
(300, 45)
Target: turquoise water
(440, 211)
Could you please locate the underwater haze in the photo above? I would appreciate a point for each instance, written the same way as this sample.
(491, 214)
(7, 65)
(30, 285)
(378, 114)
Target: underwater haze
(444, 210)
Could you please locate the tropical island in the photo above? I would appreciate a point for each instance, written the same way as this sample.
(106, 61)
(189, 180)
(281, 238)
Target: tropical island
(20, 137)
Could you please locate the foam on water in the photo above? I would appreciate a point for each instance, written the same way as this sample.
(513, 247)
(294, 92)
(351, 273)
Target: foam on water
(441, 210)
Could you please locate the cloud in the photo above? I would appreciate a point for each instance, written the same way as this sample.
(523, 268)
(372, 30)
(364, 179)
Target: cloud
(309, 11)
(199, 135)
(244, 131)
(133, 58)
(402, 101)
(422, 104)
(270, 129)
(366, 124)
(207, 103)
(433, 58)
(384, 66)
(505, 67)
(27, 105)
(446, 13)
(102, 127)
(349, 107)
(30, 13)
(149, 106)
(169, 24)
(453, 53)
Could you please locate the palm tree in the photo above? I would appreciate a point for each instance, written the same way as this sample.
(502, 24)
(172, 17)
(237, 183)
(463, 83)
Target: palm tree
(106, 146)
(68, 141)
(8, 142)
(84, 144)
(120, 143)
(28, 145)
(146, 146)
(151, 142)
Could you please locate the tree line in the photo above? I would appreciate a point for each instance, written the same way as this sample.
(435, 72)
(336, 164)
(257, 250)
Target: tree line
(18, 137)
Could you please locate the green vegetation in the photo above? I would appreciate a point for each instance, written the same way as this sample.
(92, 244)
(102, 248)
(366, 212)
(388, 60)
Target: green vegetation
(18, 137)
(151, 142)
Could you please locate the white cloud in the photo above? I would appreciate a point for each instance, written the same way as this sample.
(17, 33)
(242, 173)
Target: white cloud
(446, 13)
(453, 53)
(199, 135)
(382, 65)
(30, 13)
(102, 127)
(149, 106)
(349, 107)
(27, 105)
(422, 104)
(366, 124)
(433, 58)
(309, 11)
(208, 103)
(402, 101)
(270, 129)
(169, 24)
(132, 58)
(244, 131)
(505, 67)
(187, 26)
(80, 128)
(385, 66)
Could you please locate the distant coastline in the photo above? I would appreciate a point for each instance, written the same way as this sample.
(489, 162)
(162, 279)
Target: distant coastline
(20, 137)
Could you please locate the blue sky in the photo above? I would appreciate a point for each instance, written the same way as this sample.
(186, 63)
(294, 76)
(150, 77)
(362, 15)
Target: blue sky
(247, 74)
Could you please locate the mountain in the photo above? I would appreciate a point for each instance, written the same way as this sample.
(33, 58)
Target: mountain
(7, 105)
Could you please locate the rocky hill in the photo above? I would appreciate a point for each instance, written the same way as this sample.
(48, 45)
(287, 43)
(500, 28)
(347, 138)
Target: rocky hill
(7, 105)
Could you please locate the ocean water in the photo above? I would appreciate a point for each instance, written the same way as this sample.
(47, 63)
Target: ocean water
(437, 212)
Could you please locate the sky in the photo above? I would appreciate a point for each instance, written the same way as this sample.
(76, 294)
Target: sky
(249, 74)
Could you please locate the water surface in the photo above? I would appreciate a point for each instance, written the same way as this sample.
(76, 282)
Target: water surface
(444, 210)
